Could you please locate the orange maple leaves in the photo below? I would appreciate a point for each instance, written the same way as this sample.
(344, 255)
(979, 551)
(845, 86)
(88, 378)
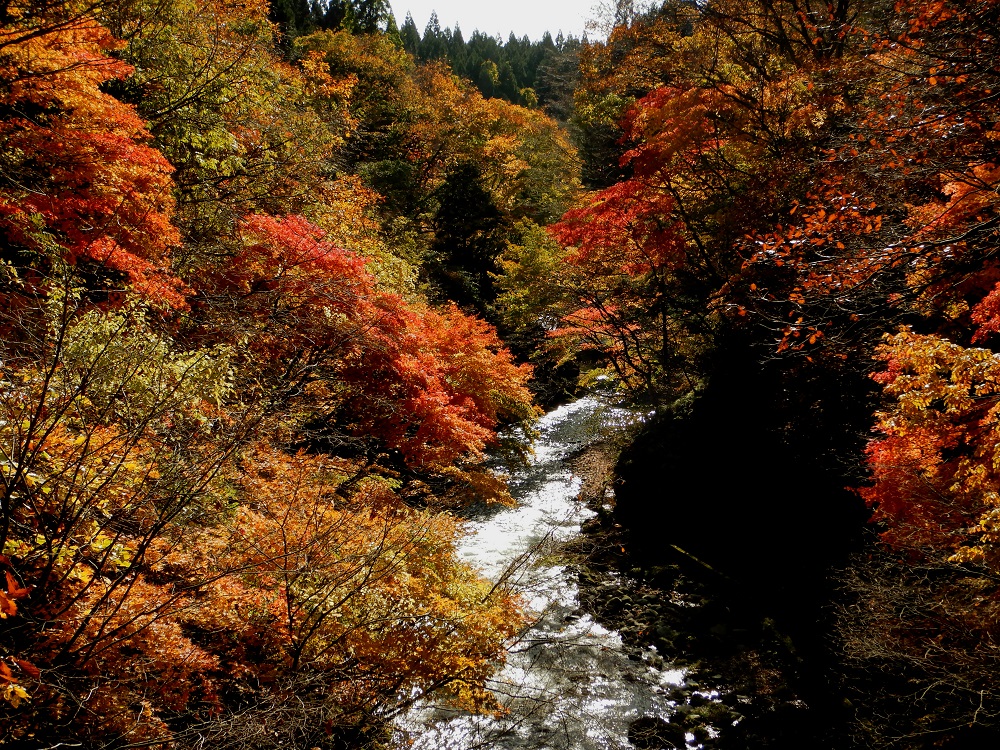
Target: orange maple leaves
(934, 467)
(8, 599)
(10, 688)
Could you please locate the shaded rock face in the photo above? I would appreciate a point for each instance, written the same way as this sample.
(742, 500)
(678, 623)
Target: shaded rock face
(752, 478)
(744, 491)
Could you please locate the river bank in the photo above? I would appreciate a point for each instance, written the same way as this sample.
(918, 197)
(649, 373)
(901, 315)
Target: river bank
(746, 684)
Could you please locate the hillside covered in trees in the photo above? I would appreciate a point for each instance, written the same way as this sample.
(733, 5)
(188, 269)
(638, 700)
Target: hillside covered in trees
(276, 277)
(519, 70)
(245, 374)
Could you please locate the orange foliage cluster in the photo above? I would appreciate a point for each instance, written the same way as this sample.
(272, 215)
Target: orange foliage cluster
(933, 135)
(935, 470)
(225, 440)
(433, 384)
(622, 249)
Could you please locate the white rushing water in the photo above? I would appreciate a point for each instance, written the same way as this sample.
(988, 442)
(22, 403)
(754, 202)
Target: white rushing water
(568, 682)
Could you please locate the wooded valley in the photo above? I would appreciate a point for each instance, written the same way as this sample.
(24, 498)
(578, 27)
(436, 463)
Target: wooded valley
(276, 279)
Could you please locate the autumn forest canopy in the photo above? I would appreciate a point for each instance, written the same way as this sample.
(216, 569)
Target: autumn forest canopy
(276, 278)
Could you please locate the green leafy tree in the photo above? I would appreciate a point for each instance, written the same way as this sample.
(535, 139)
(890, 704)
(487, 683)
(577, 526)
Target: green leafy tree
(433, 45)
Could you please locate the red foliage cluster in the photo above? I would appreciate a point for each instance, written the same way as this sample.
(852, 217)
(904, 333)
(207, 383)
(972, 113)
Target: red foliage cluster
(811, 180)
(432, 384)
(79, 172)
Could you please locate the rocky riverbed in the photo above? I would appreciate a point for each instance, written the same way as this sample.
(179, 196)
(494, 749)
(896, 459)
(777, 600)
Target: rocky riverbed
(740, 669)
(628, 649)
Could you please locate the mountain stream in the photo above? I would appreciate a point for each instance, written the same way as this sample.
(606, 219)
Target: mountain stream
(568, 681)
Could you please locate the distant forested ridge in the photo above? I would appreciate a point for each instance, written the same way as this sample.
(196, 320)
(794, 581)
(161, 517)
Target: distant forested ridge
(530, 73)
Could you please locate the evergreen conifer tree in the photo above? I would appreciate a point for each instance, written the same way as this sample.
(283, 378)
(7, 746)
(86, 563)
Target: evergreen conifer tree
(410, 36)
(370, 16)
(433, 45)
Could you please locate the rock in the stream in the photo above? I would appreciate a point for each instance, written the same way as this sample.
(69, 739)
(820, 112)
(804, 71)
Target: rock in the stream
(653, 733)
